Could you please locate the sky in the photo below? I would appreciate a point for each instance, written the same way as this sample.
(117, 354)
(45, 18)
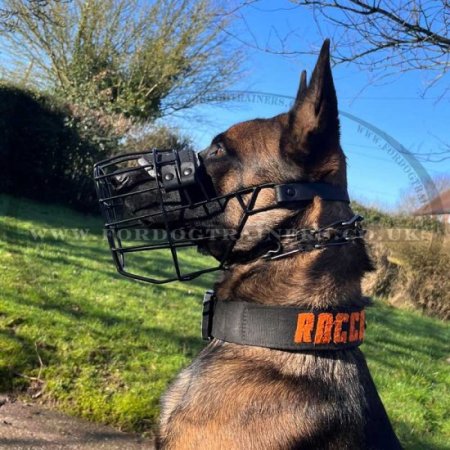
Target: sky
(377, 174)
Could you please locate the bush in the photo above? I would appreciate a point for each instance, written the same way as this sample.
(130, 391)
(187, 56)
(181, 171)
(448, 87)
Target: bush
(48, 148)
(413, 274)
(375, 217)
(155, 136)
(47, 151)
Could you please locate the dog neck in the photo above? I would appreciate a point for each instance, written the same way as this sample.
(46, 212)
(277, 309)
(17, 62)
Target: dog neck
(325, 278)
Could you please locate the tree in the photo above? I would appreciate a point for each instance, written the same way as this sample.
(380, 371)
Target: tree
(390, 35)
(142, 138)
(127, 57)
(8, 16)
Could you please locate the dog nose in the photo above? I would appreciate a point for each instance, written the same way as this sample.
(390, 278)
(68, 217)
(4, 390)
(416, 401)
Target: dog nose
(202, 154)
(120, 181)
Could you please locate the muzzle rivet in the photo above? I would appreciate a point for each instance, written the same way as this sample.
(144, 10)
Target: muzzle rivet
(187, 172)
(168, 176)
(290, 191)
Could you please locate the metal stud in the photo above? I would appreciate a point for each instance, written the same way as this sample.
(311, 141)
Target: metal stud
(290, 191)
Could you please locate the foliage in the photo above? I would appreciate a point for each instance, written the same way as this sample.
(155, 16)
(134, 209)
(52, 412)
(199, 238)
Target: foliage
(414, 274)
(144, 138)
(48, 148)
(45, 152)
(109, 346)
(376, 218)
(411, 258)
(127, 57)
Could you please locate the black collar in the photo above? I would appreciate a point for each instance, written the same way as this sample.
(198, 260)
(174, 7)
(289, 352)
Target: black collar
(282, 328)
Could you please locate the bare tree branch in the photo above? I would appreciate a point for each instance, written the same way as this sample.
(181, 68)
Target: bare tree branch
(382, 37)
(9, 16)
(389, 36)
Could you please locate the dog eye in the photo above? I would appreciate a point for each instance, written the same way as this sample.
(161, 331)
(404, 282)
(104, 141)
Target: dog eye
(218, 149)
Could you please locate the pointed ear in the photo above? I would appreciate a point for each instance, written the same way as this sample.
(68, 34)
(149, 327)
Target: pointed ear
(313, 120)
(301, 89)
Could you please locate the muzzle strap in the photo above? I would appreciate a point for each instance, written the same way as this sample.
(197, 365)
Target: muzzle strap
(296, 192)
(282, 328)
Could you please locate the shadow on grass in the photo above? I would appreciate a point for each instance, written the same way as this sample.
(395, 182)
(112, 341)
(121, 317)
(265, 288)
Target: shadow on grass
(20, 356)
(408, 334)
(406, 345)
(107, 319)
(161, 262)
(47, 215)
(164, 341)
(414, 440)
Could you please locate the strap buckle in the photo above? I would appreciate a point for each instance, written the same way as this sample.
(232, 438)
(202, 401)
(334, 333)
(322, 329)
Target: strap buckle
(207, 315)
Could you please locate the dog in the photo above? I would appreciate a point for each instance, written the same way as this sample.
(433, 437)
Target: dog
(236, 396)
(239, 396)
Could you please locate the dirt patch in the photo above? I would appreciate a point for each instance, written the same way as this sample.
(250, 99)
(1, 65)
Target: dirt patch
(25, 426)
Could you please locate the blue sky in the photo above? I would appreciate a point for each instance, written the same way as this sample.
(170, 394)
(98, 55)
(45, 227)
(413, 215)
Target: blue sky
(395, 107)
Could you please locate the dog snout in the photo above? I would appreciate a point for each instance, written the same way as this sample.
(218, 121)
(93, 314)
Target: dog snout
(148, 167)
(129, 180)
(120, 181)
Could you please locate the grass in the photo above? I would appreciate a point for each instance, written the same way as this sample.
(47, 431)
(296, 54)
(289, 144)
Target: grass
(408, 355)
(77, 335)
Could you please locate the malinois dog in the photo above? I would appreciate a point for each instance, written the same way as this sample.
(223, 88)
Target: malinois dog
(260, 391)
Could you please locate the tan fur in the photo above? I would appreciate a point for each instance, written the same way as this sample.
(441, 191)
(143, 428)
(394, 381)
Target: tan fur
(288, 281)
(204, 421)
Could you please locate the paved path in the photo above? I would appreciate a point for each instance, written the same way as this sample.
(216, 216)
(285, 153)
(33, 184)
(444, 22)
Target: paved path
(26, 426)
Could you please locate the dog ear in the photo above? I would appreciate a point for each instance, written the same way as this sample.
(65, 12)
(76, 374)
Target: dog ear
(301, 89)
(313, 120)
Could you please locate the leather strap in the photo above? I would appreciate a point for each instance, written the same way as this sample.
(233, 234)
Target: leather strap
(282, 328)
(295, 192)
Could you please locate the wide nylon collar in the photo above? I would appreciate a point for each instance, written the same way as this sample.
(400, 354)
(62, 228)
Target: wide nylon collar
(282, 328)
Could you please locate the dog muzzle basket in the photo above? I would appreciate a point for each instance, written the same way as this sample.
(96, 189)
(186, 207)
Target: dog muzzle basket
(164, 203)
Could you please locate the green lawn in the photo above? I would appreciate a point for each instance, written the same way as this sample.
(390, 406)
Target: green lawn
(106, 347)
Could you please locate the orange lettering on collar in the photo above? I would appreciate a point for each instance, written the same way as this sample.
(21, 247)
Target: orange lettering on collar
(305, 325)
(340, 337)
(324, 327)
(353, 332)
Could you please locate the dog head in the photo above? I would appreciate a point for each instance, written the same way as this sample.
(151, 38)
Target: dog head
(300, 145)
